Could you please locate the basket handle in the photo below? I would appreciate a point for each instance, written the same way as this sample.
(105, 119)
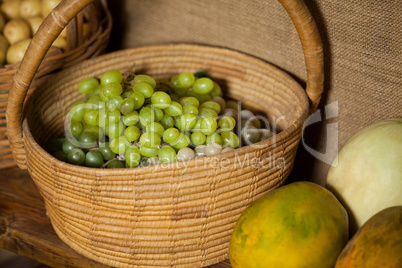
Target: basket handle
(50, 29)
(57, 20)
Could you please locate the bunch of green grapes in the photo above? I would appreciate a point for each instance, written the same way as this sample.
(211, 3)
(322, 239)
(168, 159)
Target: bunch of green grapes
(131, 120)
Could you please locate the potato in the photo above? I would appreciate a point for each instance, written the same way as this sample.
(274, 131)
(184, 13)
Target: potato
(16, 52)
(11, 9)
(2, 22)
(30, 8)
(60, 42)
(16, 30)
(3, 49)
(34, 22)
(48, 5)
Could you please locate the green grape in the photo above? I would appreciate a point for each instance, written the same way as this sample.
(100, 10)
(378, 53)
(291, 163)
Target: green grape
(132, 133)
(186, 79)
(131, 119)
(144, 88)
(88, 140)
(149, 152)
(67, 146)
(115, 164)
(76, 157)
(174, 81)
(197, 127)
(54, 145)
(203, 85)
(221, 101)
(214, 137)
(91, 117)
(103, 97)
(103, 118)
(112, 89)
(208, 125)
(95, 130)
(189, 101)
(114, 101)
(113, 115)
(158, 113)
(167, 121)
(187, 122)
(167, 154)
(150, 139)
(227, 123)
(127, 94)
(230, 139)
(115, 130)
(133, 156)
(160, 100)
(88, 85)
(104, 149)
(200, 97)
(174, 109)
(177, 122)
(198, 138)
(216, 91)
(190, 109)
(77, 111)
(170, 135)
(111, 76)
(119, 145)
(93, 159)
(138, 99)
(211, 105)
(181, 142)
(147, 115)
(60, 155)
(76, 128)
(145, 78)
(127, 105)
(205, 112)
(155, 127)
(96, 101)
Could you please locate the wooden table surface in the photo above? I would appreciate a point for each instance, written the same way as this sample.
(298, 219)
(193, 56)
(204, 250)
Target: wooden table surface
(26, 230)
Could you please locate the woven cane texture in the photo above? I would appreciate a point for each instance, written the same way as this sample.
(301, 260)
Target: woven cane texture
(80, 47)
(179, 214)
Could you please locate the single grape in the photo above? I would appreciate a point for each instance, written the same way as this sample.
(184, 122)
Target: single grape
(198, 138)
(158, 113)
(126, 106)
(102, 117)
(214, 137)
(77, 111)
(127, 94)
(208, 125)
(149, 152)
(131, 118)
(250, 135)
(174, 109)
(216, 91)
(113, 115)
(197, 127)
(112, 89)
(115, 130)
(171, 135)
(93, 159)
(213, 149)
(111, 76)
(189, 101)
(181, 142)
(95, 102)
(106, 152)
(147, 115)
(144, 88)
(190, 109)
(160, 99)
(88, 139)
(200, 97)
(115, 164)
(187, 122)
(185, 154)
(227, 123)
(221, 101)
(167, 121)
(138, 99)
(119, 145)
(145, 78)
(103, 97)
(186, 79)
(114, 101)
(205, 112)
(88, 85)
(133, 156)
(155, 127)
(203, 85)
(211, 105)
(253, 121)
(132, 133)
(200, 150)
(76, 128)
(150, 139)
(230, 139)
(167, 154)
(91, 117)
(76, 157)
(67, 146)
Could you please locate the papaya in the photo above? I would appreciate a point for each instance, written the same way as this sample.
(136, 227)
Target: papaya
(378, 243)
(300, 224)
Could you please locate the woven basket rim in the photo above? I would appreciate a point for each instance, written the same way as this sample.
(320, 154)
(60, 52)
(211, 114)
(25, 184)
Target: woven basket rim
(270, 142)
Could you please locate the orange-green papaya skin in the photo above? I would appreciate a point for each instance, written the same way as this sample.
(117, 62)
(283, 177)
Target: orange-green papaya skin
(378, 243)
(297, 225)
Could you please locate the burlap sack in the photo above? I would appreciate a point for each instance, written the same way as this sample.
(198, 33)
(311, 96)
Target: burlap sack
(362, 42)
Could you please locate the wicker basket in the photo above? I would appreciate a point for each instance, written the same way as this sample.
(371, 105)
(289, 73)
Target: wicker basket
(179, 214)
(80, 47)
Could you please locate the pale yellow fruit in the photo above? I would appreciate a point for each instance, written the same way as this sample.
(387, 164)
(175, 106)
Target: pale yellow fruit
(16, 52)
(30, 8)
(3, 49)
(16, 30)
(34, 23)
(11, 9)
(48, 5)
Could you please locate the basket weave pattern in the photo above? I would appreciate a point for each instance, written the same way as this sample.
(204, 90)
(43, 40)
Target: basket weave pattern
(169, 215)
(80, 47)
